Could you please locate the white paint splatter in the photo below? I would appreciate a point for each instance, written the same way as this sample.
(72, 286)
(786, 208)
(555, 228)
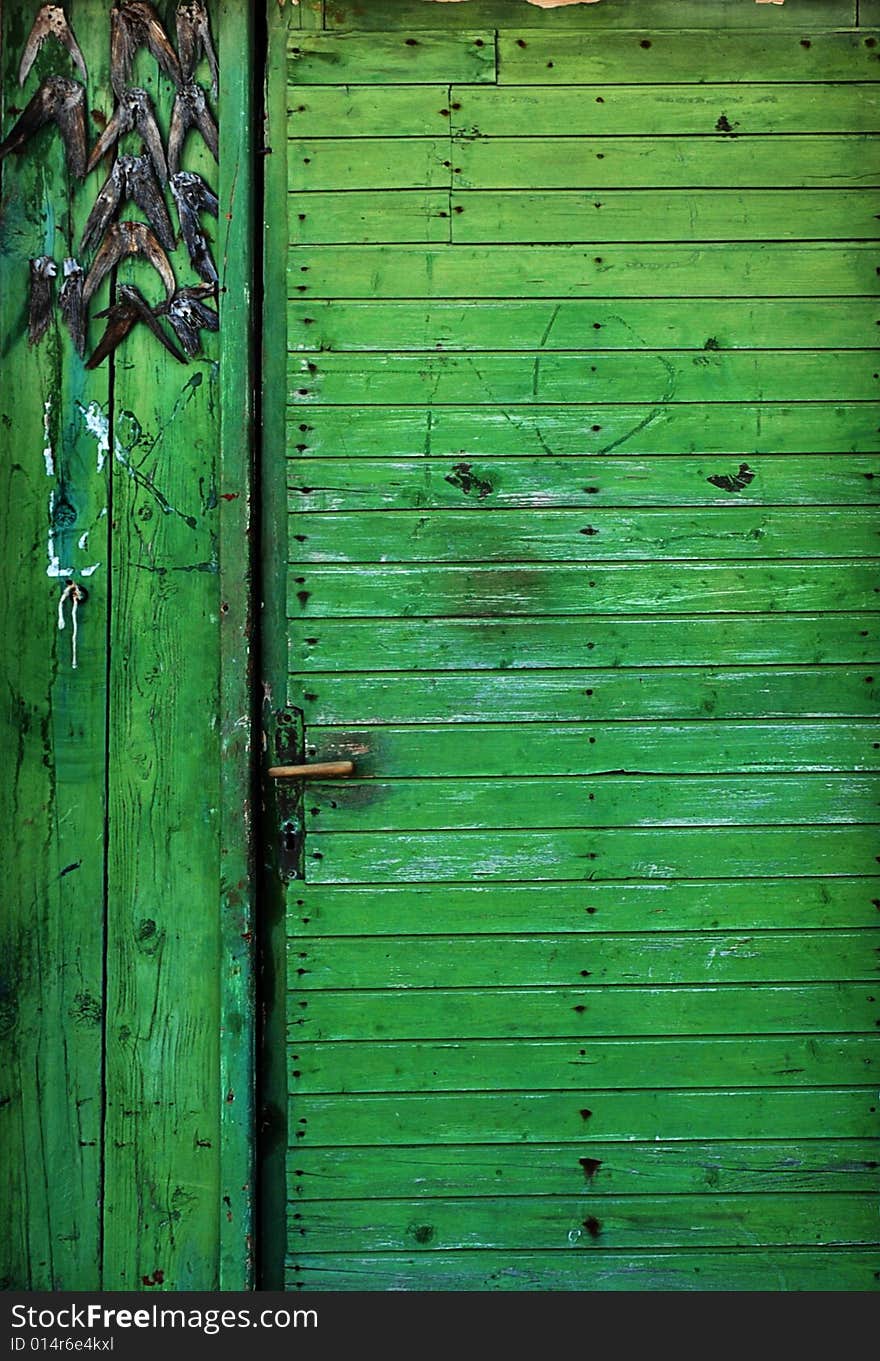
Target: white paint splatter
(98, 426)
(54, 569)
(48, 451)
(82, 540)
(89, 571)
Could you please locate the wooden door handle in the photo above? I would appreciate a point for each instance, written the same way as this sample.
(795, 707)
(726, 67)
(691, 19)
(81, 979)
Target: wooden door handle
(321, 770)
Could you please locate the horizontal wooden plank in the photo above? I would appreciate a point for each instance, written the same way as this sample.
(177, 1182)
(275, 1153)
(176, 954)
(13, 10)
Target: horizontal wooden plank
(528, 696)
(764, 1269)
(575, 1222)
(629, 162)
(362, 217)
(643, 323)
(620, 853)
(653, 640)
(661, 588)
(406, 909)
(664, 14)
(533, 57)
(647, 111)
(557, 216)
(590, 535)
(701, 428)
(587, 376)
(642, 959)
(383, 484)
(589, 748)
(728, 1166)
(686, 216)
(609, 801)
(568, 162)
(580, 1117)
(373, 163)
(391, 59)
(715, 111)
(371, 110)
(780, 269)
(499, 1065)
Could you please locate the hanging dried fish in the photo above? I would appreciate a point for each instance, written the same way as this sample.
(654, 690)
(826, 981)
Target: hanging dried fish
(60, 101)
(193, 196)
(190, 110)
(51, 22)
(43, 271)
(72, 305)
(135, 24)
(194, 40)
(134, 112)
(124, 239)
(132, 178)
(121, 318)
(188, 314)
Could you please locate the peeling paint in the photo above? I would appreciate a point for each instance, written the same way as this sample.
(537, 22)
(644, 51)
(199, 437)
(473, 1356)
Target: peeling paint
(48, 451)
(98, 426)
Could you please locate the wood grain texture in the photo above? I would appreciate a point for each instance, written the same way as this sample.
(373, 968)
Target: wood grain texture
(732, 1270)
(582, 579)
(354, 111)
(162, 1149)
(602, 324)
(389, 58)
(53, 529)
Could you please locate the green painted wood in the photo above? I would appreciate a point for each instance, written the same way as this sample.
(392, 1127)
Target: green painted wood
(563, 961)
(612, 801)
(808, 691)
(545, 1223)
(383, 484)
(779, 269)
(578, 1013)
(355, 59)
(237, 1076)
(162, 1138)
(618, 853)
(649, 110)
(366, 217)
(533, 57)
(425, 910)
(636, 215)
(661, 588)
(613, 747)
(566, 162)
(671, 324)
(763, 1270)
(484, 1065)
(701, 927)
(273, 530)
(474, 644)
(353, 111)
(585, 376)
(53, 528)
(588, 535)
(578, 1118)
(735, 429)
(670, 14)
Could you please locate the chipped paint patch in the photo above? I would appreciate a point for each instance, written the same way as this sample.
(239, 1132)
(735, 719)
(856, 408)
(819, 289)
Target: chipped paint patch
(98, 425)
(48, 451)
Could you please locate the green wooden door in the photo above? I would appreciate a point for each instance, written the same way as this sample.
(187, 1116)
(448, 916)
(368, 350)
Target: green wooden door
(582, 987)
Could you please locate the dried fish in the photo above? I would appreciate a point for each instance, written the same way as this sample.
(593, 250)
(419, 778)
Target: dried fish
(132, 178)
(43, 272)
(51, 22)
(58, 100)
(121, 318)
(194, 40)
(190, 110)
(134, 112)
(193, 196)
(124, 239)
(135, 24)
(72, 305)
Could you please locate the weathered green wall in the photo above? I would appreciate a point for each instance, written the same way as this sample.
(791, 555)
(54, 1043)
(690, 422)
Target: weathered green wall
(581, 445)
(126, 1147)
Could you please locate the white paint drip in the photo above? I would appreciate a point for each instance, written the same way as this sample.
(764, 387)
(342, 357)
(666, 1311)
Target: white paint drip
(48, 451)
(98, 426)
(73, 593)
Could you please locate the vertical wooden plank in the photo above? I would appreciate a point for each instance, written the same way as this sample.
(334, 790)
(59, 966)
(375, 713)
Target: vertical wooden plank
(162, 1145)
(237, 994)
(273, 659)
(53, 517)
